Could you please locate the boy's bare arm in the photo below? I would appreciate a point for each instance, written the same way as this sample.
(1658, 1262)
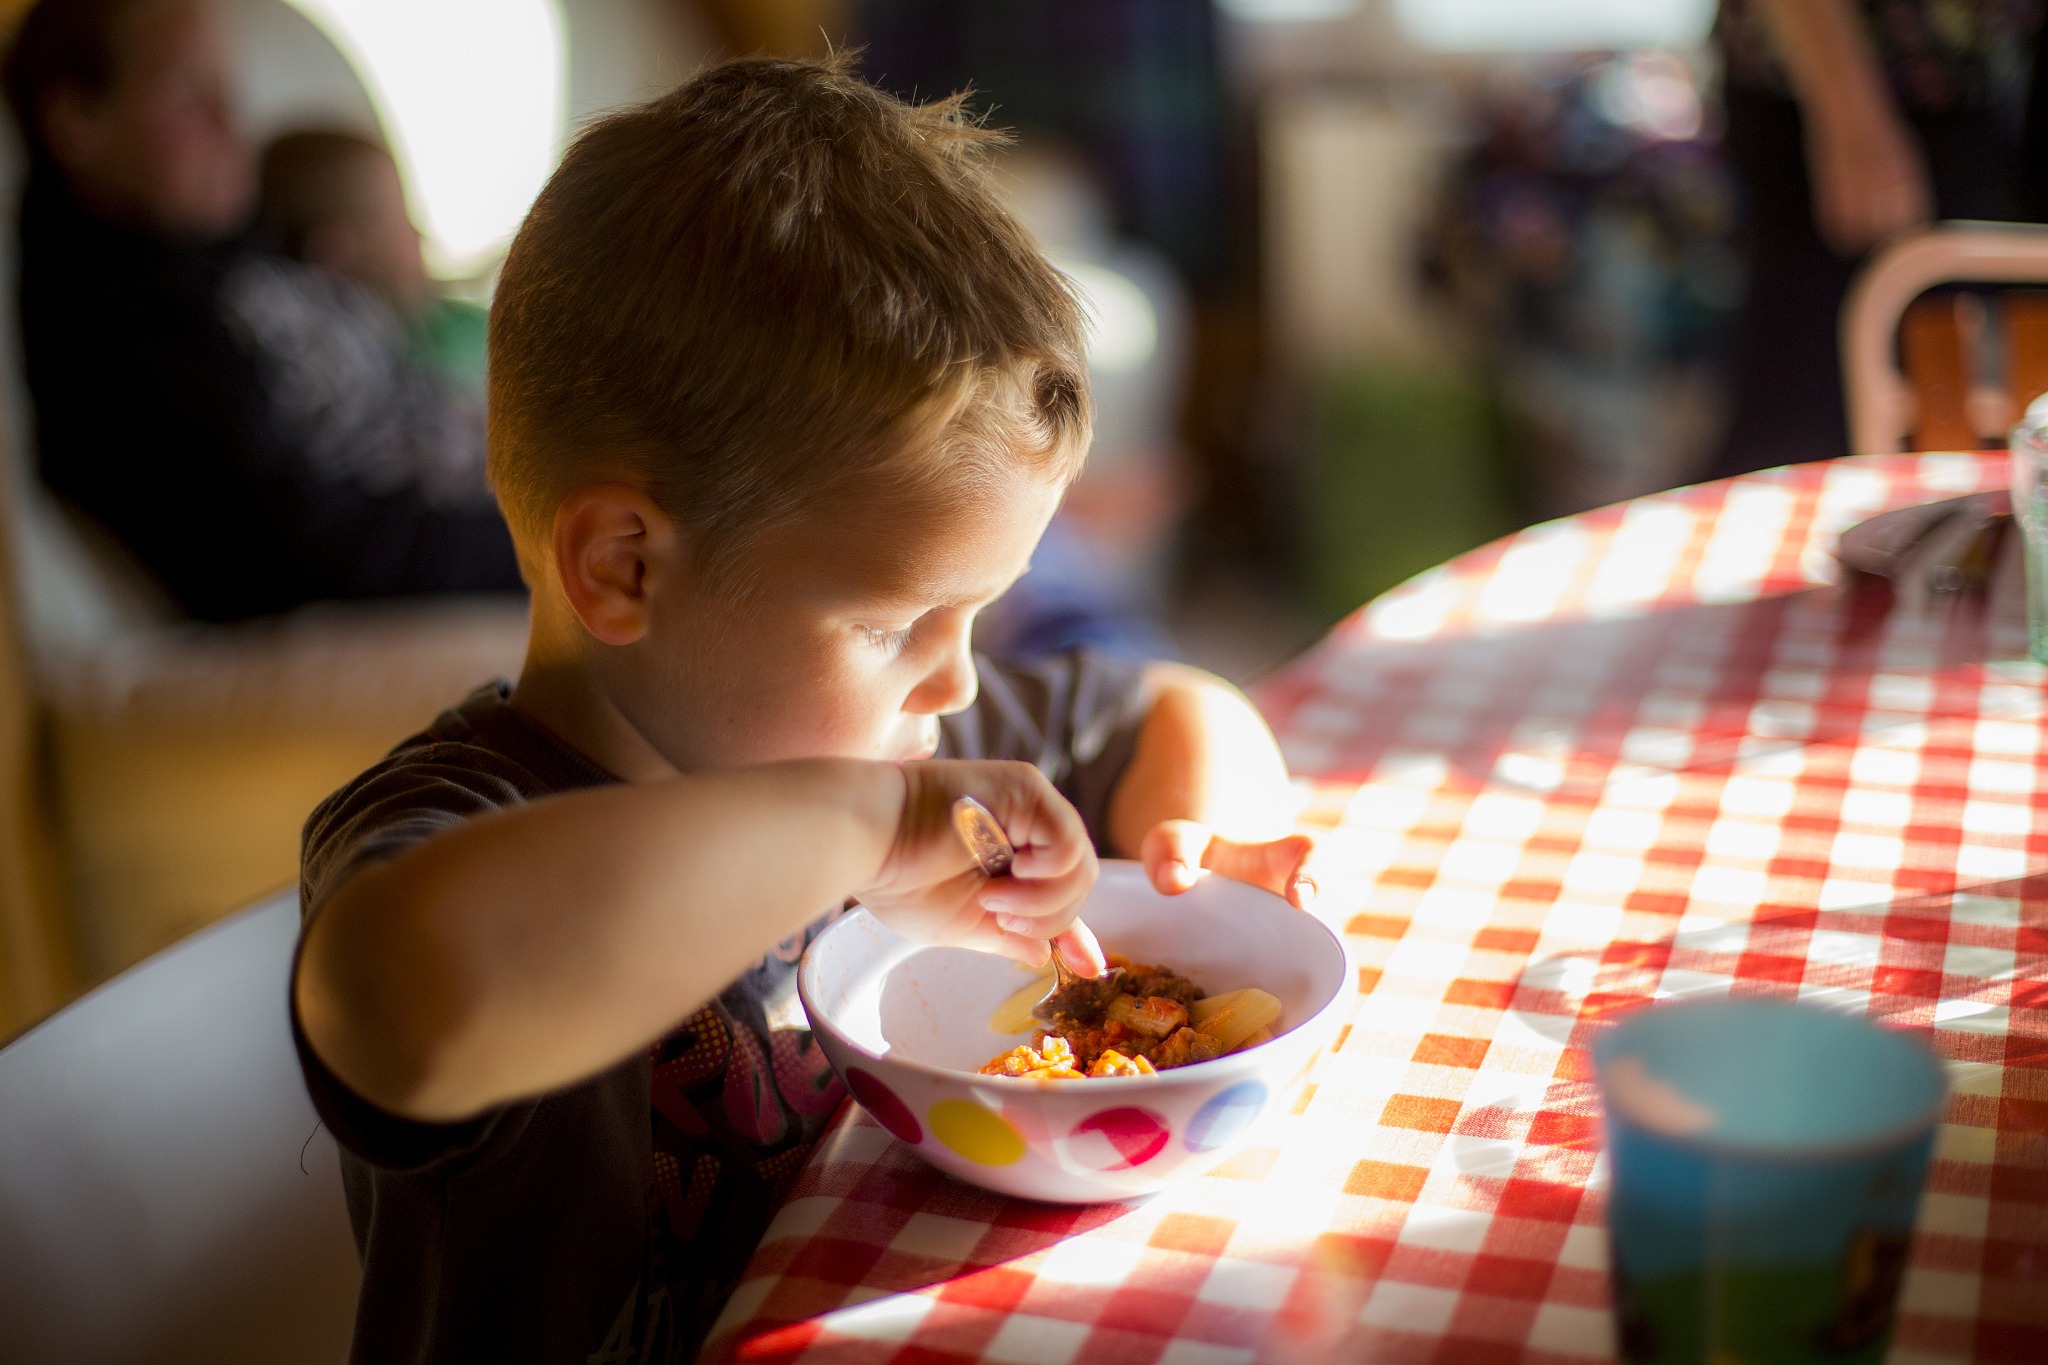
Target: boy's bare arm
(1207, 789)
(530, 949)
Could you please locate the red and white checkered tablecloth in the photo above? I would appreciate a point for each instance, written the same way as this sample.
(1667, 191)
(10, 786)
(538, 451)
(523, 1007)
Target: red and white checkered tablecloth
(1643, 752)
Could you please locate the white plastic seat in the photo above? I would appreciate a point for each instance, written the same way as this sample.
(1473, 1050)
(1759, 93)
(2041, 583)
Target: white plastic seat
(1878, 398)
(165, 1192)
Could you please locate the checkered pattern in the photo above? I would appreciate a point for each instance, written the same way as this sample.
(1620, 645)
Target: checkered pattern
(1641, 753)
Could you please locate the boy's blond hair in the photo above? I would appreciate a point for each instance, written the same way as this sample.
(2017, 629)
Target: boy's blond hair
(774, 289)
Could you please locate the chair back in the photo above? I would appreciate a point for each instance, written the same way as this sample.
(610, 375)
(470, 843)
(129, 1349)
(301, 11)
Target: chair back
(166, 1193)
(1947, 396)
(39, 965)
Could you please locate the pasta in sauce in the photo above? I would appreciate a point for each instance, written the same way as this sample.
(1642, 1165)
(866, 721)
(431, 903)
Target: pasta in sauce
(1148, 1020)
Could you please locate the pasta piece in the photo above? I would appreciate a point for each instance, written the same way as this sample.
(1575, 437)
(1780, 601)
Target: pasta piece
(1014, 1014)
(1155, 1016)
(1199, 1012)
(1114, 1063)
(1057, 1053)
(1231, 1024)
(1018, 1061)
(1264, 1035)
(1050, 1060)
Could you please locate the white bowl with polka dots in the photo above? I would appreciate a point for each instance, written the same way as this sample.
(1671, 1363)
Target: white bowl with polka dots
(907, 1028)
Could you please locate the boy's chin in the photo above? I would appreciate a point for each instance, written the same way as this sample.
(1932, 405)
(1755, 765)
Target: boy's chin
(912, 741)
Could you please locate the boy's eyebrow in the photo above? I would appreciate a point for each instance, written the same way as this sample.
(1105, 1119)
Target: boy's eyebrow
(907, 599)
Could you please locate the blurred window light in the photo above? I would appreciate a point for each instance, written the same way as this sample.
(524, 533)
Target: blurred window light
(1123, 327)
(471, 95)
(1553, 25)
(1653, 93)
(1287, 11)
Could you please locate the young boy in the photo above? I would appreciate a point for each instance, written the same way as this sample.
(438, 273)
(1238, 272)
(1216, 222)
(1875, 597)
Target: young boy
(780, 399)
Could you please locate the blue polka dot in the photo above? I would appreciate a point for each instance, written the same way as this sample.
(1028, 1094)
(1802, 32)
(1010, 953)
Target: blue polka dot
(1224, 1118)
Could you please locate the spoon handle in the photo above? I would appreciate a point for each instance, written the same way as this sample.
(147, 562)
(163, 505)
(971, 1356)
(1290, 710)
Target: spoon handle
(992, 850)
(986, 843)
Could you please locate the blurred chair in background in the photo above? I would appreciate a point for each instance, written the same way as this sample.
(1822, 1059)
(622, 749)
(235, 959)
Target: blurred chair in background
(1967, 365)
(1850, 121)
(39, 964)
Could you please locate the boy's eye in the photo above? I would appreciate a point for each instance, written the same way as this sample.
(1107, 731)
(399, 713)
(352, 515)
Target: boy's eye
(889, 640)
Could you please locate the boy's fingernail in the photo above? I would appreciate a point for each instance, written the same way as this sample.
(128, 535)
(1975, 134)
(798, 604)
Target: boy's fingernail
(1305, 889)
(1180, 871)
(1013, 924)
(997, 905)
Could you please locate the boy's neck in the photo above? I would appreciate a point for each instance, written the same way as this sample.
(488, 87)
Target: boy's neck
(556, 690)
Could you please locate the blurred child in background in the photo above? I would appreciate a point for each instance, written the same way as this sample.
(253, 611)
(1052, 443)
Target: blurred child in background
(334, 200)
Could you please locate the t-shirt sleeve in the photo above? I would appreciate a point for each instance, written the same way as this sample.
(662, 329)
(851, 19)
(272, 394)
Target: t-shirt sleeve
(391, 808)
(1075, 716)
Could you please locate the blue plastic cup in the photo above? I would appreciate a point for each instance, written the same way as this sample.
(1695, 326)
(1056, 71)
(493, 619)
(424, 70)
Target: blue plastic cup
(1766, 1161)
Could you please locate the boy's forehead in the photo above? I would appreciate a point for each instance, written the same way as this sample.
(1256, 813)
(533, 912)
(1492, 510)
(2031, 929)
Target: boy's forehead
(961, 553)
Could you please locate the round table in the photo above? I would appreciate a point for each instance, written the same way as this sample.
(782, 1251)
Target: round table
(1650, 751)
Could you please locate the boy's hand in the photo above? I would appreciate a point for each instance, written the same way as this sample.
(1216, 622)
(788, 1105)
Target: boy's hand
(1207, 791)
(1176, 853)
(930, 889)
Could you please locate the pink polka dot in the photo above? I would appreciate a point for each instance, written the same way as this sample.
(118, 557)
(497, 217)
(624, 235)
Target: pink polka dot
(880, 1101)
(1117, 1139)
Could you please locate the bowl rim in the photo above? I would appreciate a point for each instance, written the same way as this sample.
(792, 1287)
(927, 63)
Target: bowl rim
(1096, 1085)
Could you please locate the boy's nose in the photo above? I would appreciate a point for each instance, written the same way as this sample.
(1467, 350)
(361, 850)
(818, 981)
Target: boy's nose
(950, 687)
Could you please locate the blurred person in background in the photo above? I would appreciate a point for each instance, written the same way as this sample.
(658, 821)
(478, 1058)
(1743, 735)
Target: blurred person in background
(1585, 239)
(234, 417)
(334, 200)
(1133, 96)
(1849, 121)
(1100, 575)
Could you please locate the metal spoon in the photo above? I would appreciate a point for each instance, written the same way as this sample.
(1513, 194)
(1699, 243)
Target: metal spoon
(991, 849)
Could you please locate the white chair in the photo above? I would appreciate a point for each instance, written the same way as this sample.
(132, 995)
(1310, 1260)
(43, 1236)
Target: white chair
(165, 1193)
(1881, 403)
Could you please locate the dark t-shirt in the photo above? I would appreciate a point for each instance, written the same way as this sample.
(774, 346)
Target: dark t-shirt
(608, 1221)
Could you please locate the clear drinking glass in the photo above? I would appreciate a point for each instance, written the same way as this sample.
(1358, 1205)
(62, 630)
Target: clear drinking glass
(2028, 444)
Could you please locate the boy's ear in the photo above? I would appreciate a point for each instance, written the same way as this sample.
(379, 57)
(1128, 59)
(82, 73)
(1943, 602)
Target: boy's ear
(612, 544)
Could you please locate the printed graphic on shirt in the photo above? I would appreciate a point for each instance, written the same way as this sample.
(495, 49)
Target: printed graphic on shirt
(739, 1095)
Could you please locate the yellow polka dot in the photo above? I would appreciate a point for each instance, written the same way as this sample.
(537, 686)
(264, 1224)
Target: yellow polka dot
(978, 1134)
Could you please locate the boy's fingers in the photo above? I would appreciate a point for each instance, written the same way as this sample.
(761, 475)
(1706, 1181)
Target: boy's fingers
(1032, 952)
(1048, 832)
(1050, 841)
(1173, 854)
(987, 936)
(1079, 950)
(1279, 865)
(1041, 862)
(1056, 899)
